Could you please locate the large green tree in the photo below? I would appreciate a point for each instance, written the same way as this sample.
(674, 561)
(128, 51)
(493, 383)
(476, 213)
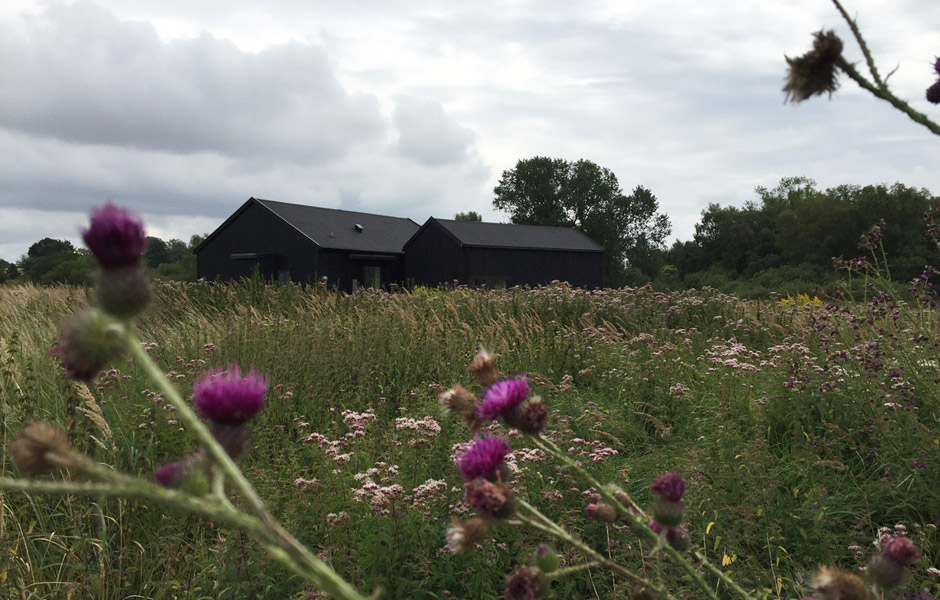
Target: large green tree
(56, 261)
(581, 194)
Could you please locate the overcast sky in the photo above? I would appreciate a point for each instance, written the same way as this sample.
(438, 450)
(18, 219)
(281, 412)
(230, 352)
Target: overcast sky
(183, 110)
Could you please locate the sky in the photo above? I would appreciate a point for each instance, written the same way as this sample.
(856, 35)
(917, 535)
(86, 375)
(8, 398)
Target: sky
(181, 110)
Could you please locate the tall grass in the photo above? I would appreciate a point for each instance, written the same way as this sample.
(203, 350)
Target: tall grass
(797, 427)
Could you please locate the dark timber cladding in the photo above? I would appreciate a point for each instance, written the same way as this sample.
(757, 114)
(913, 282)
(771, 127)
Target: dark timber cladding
(292, 242)
(497, 255)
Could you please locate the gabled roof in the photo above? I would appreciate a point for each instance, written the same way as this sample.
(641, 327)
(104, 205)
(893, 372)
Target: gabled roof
(506, 235)
(336, 229)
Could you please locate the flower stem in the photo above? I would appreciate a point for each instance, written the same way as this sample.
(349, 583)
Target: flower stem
(320, 572)
(544, 524)
(639, 523)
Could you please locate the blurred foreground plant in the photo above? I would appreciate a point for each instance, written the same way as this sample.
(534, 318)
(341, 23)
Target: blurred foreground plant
(195, 484)
(815, 73)
(488, 490)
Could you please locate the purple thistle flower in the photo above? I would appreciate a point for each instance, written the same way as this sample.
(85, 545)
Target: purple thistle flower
(933, 93)
(490, 500)
(936, 65)
(669, 487)
(900, 550)
(483, 459)
(115, 237)
(524, 584)
(502, 398)
(168, 474)
(227, 398)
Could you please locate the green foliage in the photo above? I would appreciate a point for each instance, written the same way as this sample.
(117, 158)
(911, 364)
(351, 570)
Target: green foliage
(780, 418)
(56, 261)
(159, 252)
(558, 193)
(468, 216)
(796, 230)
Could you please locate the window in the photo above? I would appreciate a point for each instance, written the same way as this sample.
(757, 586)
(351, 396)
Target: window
(372, 277)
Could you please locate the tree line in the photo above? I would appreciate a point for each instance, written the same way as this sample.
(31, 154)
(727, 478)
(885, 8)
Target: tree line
(782, 241)
(792, 233)
(59, 261)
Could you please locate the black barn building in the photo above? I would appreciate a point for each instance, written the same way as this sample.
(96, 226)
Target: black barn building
(292, 242)
(501, 255)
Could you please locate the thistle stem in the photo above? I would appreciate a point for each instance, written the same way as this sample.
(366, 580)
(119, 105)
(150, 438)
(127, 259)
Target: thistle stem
(542, 523)
(886, 95)
(322, 574)
(639, 523)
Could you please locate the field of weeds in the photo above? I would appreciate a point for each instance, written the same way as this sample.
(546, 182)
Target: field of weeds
(802, 428)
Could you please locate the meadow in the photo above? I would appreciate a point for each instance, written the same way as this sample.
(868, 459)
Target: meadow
(803, 429)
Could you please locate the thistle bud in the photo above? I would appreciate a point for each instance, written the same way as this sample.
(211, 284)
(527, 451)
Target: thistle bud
(88, 344)
(169, 474)
(679, 538)
(601, 511)
(459, 400)
(41, 448)
(832, 584)
(933, 93)
(887, 568)
(815, 72)
(668, 514)
(547, 559)
(525, 584)
(463, 534)
(491, 500)
(124, 292)
(532, 417)
(484, 368)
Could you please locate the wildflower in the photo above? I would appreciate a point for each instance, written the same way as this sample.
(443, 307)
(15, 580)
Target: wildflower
(547, 559)
(832, 584)
(463, 534)
(88, 344)
(669, 487)
(41, 448)
(227, 398)
(601, 511)
(169, 474)
(490, 499)
(814, 73)
(502, 398)
(667, 508)
(933, 93)
(531, 419)
(123, 292)
(115, 237)
(936, 66)
(484, 368)
(886, 569)
(524, 584)
(679, 538)
(462, 402)
(900, 550)
(484, 459)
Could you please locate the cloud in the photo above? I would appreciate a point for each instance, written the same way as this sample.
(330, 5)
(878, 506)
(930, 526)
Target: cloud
(78, 74)
(427, 134)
